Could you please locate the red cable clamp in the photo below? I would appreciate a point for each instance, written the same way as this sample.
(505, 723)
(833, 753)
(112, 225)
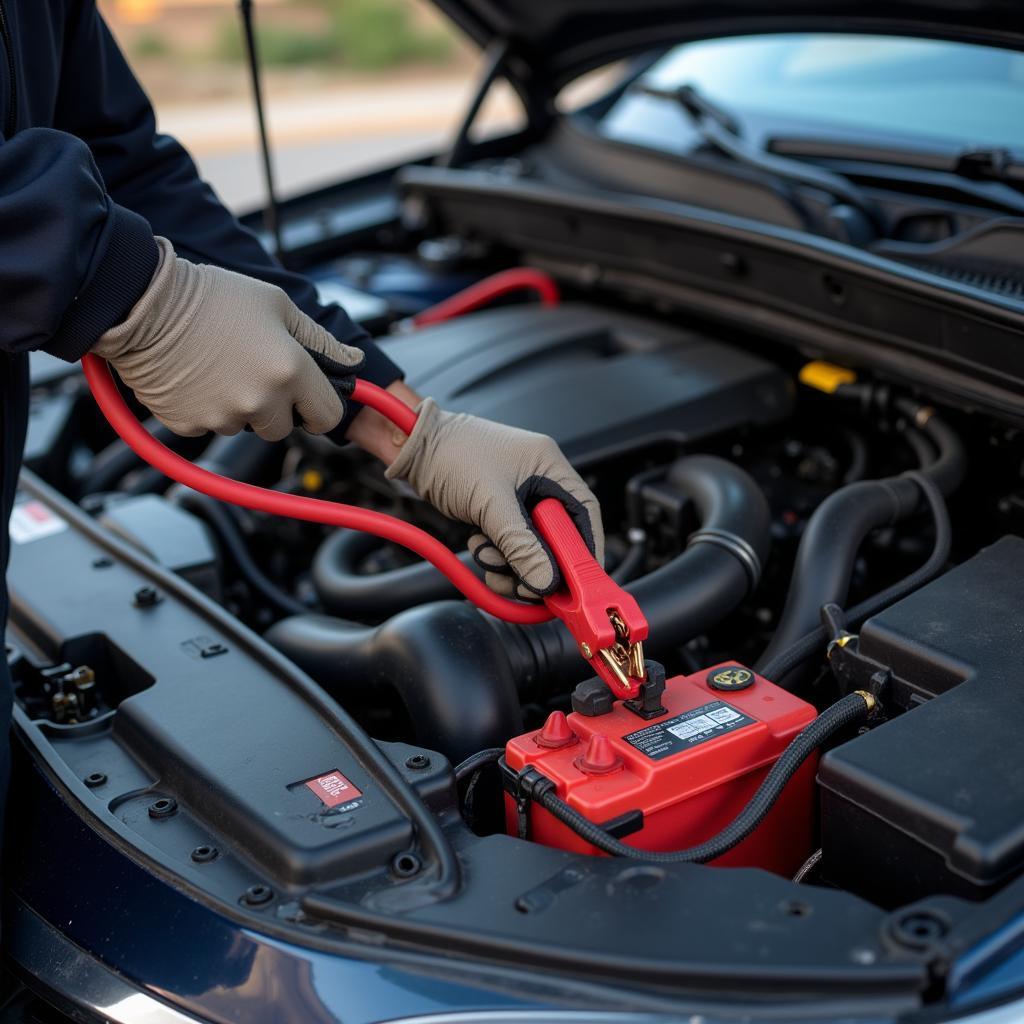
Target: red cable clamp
(605, 621)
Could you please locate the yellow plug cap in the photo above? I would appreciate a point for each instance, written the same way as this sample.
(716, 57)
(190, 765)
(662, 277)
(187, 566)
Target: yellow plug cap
(826, 377)
(312, 480)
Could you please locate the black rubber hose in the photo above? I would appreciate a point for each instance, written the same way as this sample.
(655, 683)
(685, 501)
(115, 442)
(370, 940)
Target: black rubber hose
(117, 460)
(682, 599)
(813, 642)
(633, 560)
(481, 759)
(446, 665)
(853, 708)
(948, 469)
(834, 533)
(229, 534)
(344, 591)
(242, 456)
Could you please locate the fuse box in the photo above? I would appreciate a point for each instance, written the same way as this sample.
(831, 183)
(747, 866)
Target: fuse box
(675, 780)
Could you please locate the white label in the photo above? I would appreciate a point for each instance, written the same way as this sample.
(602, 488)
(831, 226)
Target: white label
(32, 520)
(692, 727)
(723, 715)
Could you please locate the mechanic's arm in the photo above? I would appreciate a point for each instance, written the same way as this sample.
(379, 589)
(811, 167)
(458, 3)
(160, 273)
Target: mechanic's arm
(72, 262)
(101, 101)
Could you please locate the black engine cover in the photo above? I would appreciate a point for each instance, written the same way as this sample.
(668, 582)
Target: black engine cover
(597, 381)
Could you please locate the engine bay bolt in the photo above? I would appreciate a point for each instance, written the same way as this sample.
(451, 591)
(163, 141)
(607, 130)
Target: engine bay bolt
(556, 732)
(600, 757)
(146, 597)
(417, 762)
(94, 779)
(257, 895)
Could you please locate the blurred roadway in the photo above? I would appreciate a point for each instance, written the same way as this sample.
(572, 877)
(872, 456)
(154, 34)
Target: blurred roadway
(321, 135)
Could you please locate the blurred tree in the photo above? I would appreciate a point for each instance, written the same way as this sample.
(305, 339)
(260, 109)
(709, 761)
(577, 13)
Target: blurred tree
(365, 35)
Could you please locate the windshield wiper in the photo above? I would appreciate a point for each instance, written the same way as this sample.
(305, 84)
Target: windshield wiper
(720, 130)
(991, 175)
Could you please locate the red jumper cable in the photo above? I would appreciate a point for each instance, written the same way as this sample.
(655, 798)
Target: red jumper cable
(604, 620)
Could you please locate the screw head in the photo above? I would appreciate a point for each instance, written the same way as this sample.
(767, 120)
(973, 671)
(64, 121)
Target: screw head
(94, 779)
(417, 762)
(146, 597)
(204, 854)
(586, 651)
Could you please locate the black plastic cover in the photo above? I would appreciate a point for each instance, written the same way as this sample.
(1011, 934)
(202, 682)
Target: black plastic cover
(213, 726)
(933, 801)
(595, 380)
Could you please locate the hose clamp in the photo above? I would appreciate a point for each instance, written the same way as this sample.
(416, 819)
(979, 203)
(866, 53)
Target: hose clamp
(739, 548)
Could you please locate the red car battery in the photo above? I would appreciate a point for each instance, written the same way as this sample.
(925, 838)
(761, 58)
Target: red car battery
(689, 771)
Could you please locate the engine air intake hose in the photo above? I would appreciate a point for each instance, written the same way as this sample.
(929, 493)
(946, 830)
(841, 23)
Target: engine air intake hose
(834, 533)
(345, 591)
(848, 711)
(446, 665)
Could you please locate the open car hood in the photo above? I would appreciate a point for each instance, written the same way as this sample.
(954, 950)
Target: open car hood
(553, 41)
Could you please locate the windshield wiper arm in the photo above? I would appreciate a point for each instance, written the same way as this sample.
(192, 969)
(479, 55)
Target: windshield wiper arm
(990, 165)
(991, 176)
(719, 129)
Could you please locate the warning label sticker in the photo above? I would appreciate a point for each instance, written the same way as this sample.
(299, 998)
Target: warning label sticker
(687, 730)
(32, 520)
(335, 790)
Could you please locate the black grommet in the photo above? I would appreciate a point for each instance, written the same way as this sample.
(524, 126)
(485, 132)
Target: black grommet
(257, 895)
(405, 865)
(94, 779)
(204, 854)
(163, 808)
(918, 929)
(146, 597)
(417, 762)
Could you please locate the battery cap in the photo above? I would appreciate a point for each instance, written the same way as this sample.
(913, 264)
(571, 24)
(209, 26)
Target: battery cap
(600, 757)
(556, 732)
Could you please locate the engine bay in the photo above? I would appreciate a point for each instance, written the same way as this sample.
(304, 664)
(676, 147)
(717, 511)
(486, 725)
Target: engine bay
(202, 683)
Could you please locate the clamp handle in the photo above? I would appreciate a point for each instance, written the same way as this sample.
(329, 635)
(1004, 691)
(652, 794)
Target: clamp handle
(604, 620)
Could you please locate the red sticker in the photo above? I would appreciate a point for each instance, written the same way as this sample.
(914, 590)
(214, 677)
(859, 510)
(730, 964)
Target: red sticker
(334, 789)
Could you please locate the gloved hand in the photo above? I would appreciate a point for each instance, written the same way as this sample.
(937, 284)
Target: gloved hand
(208, 349)
(489, 475)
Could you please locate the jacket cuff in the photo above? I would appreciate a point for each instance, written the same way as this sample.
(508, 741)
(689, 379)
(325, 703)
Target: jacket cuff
(117, 283)
(378, 369)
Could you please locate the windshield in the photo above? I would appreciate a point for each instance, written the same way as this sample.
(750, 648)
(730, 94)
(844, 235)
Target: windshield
(935, 94)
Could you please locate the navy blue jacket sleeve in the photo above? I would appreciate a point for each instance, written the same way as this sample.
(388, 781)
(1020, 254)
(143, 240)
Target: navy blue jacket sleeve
(72, 262)
(101, 101)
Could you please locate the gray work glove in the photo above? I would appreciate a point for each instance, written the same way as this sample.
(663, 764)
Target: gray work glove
(208, 349)
(489, 475)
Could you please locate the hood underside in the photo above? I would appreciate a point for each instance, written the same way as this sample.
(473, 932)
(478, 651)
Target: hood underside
(553, 41)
